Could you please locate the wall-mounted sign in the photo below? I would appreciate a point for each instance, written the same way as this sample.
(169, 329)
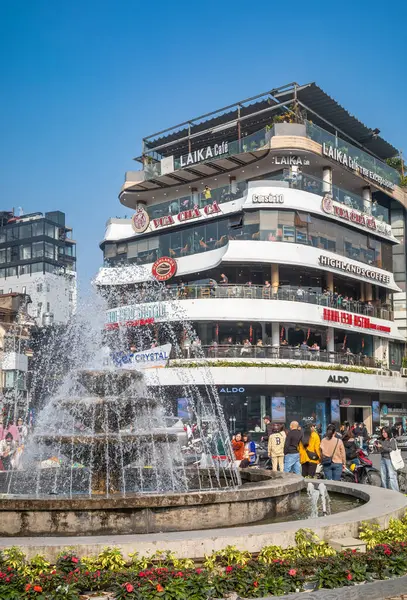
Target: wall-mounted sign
(338, 379)
(344, 159)
(268, 199)
(338, 316)
(136, 312)
(140, 220)
(341, 265)
(186, 215)
(335, 411)
(331, 207)
(203, 154)
(164, 268)
(147, 359)
(290, 160)
(233, 390)
(130, 323)
(345, 402)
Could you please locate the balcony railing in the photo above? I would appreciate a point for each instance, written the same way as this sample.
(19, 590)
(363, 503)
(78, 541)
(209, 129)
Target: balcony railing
(280, 353)
(261, 292)
(259, 139)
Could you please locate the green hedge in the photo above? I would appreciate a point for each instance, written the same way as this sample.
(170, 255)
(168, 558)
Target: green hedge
(269, 365)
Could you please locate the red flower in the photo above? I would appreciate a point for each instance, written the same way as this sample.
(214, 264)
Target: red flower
(37, 588)
(75, 560)
(229, 569)
(27, 587)
(9, 568)
(387, 551)
(159, 587)
(349, 577)
(255, 583)
(53, 572)
(199, 571)
(292, 572)
(141, 574)
(7, 580)
(86, 572)
(129, 587)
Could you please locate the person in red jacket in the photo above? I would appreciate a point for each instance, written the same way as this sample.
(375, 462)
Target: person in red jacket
(238, 447)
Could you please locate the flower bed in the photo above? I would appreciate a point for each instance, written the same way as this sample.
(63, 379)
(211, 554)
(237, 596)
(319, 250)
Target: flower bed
(274, 571)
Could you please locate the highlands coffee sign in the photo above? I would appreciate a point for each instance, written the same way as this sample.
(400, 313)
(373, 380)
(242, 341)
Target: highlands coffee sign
(339, 316)
(331, 207)
(207, 153)
(344, 159)
(341, 265)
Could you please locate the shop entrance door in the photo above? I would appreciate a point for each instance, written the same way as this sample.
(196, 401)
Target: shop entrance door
(358, 414)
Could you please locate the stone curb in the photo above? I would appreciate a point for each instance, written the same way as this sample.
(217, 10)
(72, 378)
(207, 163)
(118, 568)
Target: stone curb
(377, 590)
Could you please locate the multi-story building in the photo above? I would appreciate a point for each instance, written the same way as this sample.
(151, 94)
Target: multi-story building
(279, 227)
(38, 258)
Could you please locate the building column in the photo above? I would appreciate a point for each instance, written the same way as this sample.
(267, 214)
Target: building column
(263, 332)
(330, 339)
(367, 199)
(368, 292)
(275, 334)
(327, 180)
(275, 278)
(330, 281)
(381, 351)
(362, 291)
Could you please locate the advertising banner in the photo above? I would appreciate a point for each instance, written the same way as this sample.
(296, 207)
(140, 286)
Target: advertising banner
(153, 358)
(278, 409)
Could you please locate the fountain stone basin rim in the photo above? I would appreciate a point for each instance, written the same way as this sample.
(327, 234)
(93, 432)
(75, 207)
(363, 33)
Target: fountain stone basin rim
(380, 507)
(265, 494)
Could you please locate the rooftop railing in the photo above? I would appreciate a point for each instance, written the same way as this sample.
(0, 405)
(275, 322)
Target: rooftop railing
(257, 140)
(262, 292)
(242, 352)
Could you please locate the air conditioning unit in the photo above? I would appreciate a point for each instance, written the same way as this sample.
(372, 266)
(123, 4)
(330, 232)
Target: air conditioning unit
(404, 372)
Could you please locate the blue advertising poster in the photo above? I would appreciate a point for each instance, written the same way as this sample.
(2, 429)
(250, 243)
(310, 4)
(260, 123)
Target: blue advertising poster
(278, 409)
(321, 415)
(335, 412)
(183, 408)
(376, 411)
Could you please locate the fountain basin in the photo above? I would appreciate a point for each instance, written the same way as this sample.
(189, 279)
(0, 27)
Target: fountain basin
(263, 493)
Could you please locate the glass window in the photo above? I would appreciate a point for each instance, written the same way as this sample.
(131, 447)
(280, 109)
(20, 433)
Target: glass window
(38, 249)
(3, 255)
(49, 230)
(268, 225)
(24, 269)
(49, 250)
(12, 233)
(14, 253)
(11, 271)
(37, 228)
(25, 231)
(2, 272)
(2, 236)
(37, 267)
(25, 252)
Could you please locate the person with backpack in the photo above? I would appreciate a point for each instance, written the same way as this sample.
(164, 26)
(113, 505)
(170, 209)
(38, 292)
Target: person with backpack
(276, 443)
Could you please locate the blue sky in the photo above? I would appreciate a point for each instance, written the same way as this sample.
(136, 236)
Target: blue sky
(83, 81)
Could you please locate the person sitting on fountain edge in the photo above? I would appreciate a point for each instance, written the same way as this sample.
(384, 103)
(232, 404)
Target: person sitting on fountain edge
(238, 448)
(249, 456)
(291, 449)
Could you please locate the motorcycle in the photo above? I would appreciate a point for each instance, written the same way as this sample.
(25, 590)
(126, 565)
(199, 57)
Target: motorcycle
(358, 470)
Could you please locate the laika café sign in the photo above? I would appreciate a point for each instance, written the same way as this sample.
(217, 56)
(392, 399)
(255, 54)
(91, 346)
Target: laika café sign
(337, 209)
(153, 358)
(138, 312)
(339, 316)
(186, 215)
(203, 154)
(341, 265)
(344, 159)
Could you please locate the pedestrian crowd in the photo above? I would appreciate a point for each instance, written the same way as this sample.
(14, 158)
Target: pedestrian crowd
(300, 450)
(13, 437)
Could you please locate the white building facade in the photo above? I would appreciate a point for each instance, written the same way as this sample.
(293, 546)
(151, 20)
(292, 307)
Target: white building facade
(271, 225)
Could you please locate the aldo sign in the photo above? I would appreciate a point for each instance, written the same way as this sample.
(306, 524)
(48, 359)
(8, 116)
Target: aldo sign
(338, 379)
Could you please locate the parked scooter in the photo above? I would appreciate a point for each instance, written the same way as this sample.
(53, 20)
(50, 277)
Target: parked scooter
(358, 470)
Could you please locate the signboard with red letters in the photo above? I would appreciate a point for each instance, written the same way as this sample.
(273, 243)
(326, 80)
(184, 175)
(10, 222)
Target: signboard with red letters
(339, 316)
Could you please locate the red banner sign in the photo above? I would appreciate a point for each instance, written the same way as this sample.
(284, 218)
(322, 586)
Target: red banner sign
(186, 215)
(337, 316)
(137, 323)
